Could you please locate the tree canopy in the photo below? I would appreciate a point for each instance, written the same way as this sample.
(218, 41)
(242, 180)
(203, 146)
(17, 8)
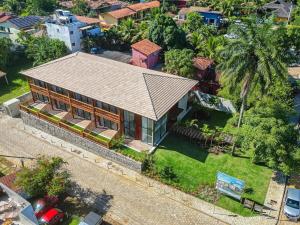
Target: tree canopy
(43, 49)
(47, 178)
(5, 52)
(164, 32)
(180, 62)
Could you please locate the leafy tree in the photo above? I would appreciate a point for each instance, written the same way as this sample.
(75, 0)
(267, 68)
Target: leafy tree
(44, 49)
(164, 32)
(14, 6)
(193, 22)
(5, 52)
(80, 7)
(40, 7)
(251, 59)
(180, 62)
(267, 138)
(47, 177)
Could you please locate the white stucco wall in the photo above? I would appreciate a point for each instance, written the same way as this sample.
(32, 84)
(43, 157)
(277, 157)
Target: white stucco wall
(182, 104)
(63, 33)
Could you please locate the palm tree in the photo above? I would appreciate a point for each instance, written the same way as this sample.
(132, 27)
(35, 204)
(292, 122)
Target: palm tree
(251, 60)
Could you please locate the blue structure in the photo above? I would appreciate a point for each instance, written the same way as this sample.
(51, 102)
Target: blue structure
(212, 17)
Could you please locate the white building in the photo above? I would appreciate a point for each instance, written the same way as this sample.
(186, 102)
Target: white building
(67, 28)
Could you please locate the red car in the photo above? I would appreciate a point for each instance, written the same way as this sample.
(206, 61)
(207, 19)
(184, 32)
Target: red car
(42, 205)
(52, 217)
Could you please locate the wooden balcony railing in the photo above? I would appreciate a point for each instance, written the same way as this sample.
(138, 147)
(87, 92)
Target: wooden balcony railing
(82, 105)
(39, 90)
(107, 115)
(64, 124)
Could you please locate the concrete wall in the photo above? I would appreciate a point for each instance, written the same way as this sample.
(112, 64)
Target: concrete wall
(80, 142)
(63, 33)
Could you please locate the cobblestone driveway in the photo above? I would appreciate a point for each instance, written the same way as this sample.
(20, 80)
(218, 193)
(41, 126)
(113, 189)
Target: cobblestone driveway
(129, 203)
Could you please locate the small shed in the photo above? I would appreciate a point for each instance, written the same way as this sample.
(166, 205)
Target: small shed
(2, 74)
(145, 54)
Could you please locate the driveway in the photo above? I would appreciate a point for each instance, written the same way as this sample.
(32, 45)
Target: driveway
(125, 201)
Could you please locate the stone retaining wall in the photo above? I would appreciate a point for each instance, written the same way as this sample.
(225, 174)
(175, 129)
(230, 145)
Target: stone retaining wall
(81, 142)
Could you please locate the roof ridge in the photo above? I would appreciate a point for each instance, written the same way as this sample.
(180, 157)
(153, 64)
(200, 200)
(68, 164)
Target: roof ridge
(53, 61)
(168, 75)
(150, 96)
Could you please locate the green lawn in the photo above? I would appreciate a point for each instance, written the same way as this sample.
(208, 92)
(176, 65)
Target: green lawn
(139, 156)
(17, 83)
(194, 166)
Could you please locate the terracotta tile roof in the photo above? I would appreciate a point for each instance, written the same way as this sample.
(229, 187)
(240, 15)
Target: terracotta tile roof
(121, 13)
(132, 9)
(142, 91)
(4, 17)
(144, 5)
(146, 47)
(88, 20)
(9, 180)
(94, 4)
(203, 63)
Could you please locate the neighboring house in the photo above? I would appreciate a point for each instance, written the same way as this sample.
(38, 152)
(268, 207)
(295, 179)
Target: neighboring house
(71, 29)
(209, 16)
(280, 8)
(121, 98)
(137, 11)
(206, 74)
(19, 209)
(145, 54)
(97, 6)
(10, 27)
(294, 71)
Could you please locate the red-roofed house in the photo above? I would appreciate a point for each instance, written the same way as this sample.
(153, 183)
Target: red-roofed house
(138, 11)
(206, 74)
(145, 54)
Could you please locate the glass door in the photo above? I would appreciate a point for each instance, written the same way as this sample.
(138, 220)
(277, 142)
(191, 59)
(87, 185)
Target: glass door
(129, 124)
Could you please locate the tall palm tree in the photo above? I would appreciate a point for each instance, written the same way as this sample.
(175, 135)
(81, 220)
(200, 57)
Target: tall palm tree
(251, 60)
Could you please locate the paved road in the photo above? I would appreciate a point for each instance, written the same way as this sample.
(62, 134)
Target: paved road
(128, 202)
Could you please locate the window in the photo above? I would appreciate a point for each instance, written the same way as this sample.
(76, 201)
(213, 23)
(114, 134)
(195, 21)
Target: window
(129, 124)
(147, 130)
(82, 98)
(107, 123)
(82, 114)
(61, 105)
(2, 28)
(59, 90)
(160, 129)
(106, 107)
(39, 83)
(40, 97)
(71, 32)
(73, 44)
(57, 30)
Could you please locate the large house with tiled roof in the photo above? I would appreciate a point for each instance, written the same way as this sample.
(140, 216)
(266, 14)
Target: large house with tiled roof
(109, 98)
(280, 8)
(136, 11)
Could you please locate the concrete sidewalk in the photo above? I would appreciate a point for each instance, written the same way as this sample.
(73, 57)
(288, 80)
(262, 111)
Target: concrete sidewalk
(137, 199)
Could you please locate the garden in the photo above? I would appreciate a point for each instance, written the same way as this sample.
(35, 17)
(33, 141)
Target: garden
(190, 166)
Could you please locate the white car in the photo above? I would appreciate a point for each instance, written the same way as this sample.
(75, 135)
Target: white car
(292, 204)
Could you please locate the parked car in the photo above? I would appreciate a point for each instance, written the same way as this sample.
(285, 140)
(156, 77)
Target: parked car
(52, 217)
(95, 51)
(42, 205)
(292, 204)
(91, 219)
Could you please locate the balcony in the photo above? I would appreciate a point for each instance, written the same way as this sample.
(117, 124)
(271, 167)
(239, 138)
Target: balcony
(65, 120)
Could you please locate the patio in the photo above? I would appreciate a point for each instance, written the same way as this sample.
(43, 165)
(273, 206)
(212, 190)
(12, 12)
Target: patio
(107, 133)
(137, 145)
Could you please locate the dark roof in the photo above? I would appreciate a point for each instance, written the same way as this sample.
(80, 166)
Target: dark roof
(25, 22)
(281, 8)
